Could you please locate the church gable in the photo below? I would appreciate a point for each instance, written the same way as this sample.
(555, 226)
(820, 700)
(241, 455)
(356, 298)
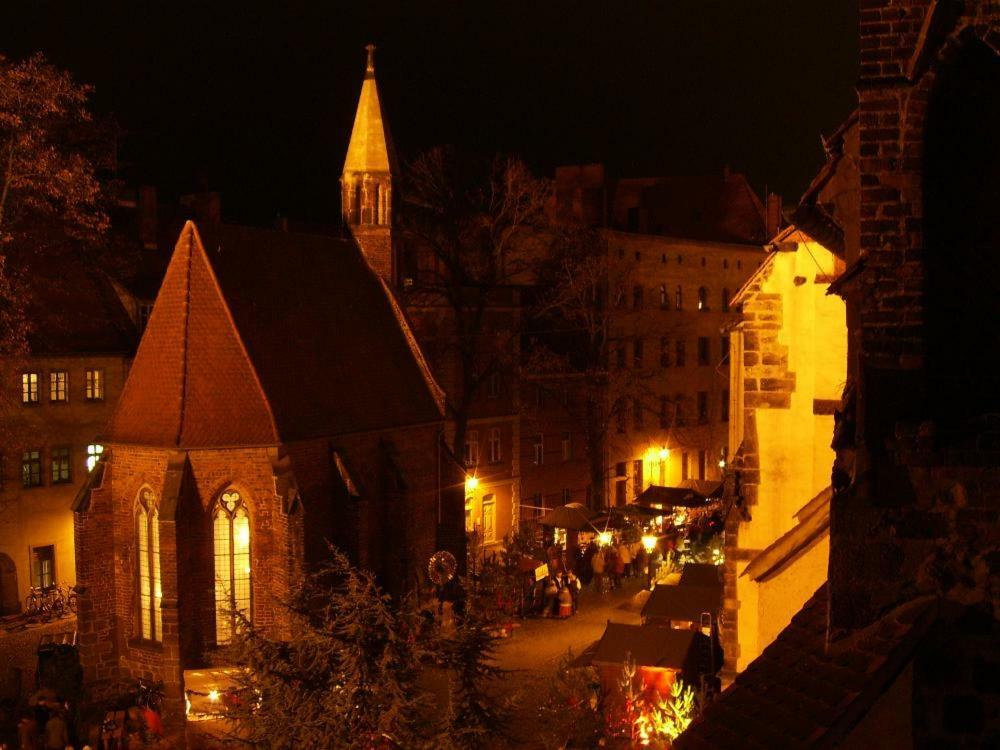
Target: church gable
(192, 383)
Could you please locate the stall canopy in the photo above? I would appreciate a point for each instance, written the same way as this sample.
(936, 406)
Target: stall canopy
(572, 516)
(696, 494)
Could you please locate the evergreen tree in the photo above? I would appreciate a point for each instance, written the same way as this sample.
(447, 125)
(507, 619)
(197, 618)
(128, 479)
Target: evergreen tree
(474, 718)
(346, 679)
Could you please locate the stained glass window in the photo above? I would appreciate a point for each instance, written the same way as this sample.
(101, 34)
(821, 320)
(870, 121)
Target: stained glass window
(150, 620)
(231, 535)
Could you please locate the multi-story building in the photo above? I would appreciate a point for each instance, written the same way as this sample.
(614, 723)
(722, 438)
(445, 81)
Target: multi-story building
(678, 249)
(669, 374)
(56, 402)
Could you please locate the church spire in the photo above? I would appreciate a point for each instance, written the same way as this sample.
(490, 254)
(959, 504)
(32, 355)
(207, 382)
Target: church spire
(366, 182)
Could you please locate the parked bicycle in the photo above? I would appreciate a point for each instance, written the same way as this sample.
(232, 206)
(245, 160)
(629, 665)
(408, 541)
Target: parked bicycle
(51, 602)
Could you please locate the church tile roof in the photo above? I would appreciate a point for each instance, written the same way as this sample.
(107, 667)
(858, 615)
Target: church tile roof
(803, 693)
(261, 337)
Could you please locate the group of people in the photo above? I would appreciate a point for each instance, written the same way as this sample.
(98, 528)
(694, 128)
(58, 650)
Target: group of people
(556, 595)
(44, 725)
(604, 567)
(610, 565)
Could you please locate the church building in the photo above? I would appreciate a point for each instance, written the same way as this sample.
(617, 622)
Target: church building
(277, 401)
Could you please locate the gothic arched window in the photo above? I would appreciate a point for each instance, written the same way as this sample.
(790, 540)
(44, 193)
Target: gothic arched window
(231, 535)
(150, 591)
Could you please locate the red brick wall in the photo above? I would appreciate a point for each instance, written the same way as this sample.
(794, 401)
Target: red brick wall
(922, 511)
(105, 534)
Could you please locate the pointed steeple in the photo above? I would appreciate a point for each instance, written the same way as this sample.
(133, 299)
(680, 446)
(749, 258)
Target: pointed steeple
(366, 183)
(370, 148)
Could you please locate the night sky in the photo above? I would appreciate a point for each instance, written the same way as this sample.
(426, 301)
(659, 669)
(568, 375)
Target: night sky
(257, 99)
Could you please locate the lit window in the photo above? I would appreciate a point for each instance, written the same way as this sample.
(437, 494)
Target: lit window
(702, 298)
(150, 594)
(538, 448)
(495, 452)
(231, 533)
(60, 465)
(471, 448)
(664, 301)
(58, 385)
(95, 385)
(29, 388)
(567, 446)
(43, 566)
(94, 452)
(31, 468)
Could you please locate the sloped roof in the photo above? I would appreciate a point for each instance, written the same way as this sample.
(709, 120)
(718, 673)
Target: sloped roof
(701, 574)
(721, 208)
(800, 693)
(370, 148)
(259, 337)
(683, 602)
(74, 310)
(649, 645)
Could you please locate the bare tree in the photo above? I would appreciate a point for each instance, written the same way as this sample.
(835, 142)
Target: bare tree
(576, 344)
(468, 226)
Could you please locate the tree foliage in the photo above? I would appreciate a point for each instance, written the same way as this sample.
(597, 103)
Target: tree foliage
(347, 678)
(469, 229)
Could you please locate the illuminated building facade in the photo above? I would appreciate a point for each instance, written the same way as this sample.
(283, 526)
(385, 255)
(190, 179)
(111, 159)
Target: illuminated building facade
(893, 650)
(56, 402)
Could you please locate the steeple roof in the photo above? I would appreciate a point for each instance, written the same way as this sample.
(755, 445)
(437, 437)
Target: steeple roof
(370, 149)
(262, 337)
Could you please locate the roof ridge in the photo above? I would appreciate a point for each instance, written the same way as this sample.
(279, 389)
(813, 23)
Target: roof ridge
(232, 323)
(188, 230)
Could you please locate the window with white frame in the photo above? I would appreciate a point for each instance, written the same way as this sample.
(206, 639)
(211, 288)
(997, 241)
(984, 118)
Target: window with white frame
(59, 386)
(29, 388)
(59, 458)
(471, 448)
(94, 451)
(94, 385)
(495, 450)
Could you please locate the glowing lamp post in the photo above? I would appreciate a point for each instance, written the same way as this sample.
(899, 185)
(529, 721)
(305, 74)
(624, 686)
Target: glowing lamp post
(471, 484)
(605, 537)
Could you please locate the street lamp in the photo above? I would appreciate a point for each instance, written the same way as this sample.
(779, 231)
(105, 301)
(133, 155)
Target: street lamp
(471, 483)
(605, 537)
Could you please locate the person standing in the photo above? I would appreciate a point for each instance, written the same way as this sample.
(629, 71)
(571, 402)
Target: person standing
(625, 555)
(597, 566)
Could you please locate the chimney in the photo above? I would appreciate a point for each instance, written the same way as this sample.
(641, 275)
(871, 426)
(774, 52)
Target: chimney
(772, 219)
(205, 206)
(147, 216)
